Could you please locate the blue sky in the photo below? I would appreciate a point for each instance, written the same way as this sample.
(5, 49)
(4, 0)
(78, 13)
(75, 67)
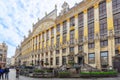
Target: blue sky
(17, 17)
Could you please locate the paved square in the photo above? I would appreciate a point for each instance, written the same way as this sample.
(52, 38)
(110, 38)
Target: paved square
(12, 77)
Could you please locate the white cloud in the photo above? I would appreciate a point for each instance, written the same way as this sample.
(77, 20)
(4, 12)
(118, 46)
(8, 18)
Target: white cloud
(17, 16)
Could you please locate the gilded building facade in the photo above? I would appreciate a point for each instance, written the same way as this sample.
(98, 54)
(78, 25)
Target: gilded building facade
(3, 54)
(87, 33)
(16, 57)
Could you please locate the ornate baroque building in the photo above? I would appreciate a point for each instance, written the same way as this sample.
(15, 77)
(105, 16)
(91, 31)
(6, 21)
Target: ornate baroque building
(17, 55)
(88, 33)
(3, 54)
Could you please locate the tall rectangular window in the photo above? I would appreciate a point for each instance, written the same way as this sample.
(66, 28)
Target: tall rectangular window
(52, 41)
(64, 38)
(47, 35)
(43, 40)
(72, 37)
(80, 19)
(91, 58)
(91, 45)
(103, 43)
(117, 27)
(39, 41)
(46, 60)
(103, 27)
(117, 40)
(91, 31)
(72, 21)
(104, 58)
(90, 13)
(57, 51)
(52, 31)
(116, 4)
(65, 26)
(117, 22)
(102, 8)
(58, 28)
(51, 61)
(58, 41)
(64, 50)
(80, 33)
(71, 49)
(80, 47)
(57, 60)
(64, 60)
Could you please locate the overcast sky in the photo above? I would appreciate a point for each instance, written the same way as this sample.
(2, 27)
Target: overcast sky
(17, 17)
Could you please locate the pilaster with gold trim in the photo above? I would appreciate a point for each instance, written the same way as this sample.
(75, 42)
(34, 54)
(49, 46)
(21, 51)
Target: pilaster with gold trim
(68, 38)
(85, 36)
(76, 38)
(111, 45)
(61, 36)
(54, 59)
(76, 26)
(96, 34)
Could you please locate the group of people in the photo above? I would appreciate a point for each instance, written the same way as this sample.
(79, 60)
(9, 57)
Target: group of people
(4, 72)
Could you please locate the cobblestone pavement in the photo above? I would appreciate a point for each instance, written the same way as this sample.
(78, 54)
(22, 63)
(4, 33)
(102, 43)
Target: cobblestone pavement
(12, 77)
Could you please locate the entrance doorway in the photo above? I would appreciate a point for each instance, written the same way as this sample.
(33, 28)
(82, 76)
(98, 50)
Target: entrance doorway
(80, 60)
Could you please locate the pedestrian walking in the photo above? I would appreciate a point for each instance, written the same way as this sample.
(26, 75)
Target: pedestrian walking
(17, 72)
(1, 73)
(6, 72)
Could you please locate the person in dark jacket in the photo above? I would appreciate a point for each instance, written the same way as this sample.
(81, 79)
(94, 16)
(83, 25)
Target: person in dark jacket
(17, 72)
(1, 73)
(6, 71)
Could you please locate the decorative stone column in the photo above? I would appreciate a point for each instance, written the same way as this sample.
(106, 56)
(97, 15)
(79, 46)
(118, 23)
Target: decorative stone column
(111, 44)
(97, 36)
(68, 39)
(61, 34)
(85, 37)
(76, 38)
